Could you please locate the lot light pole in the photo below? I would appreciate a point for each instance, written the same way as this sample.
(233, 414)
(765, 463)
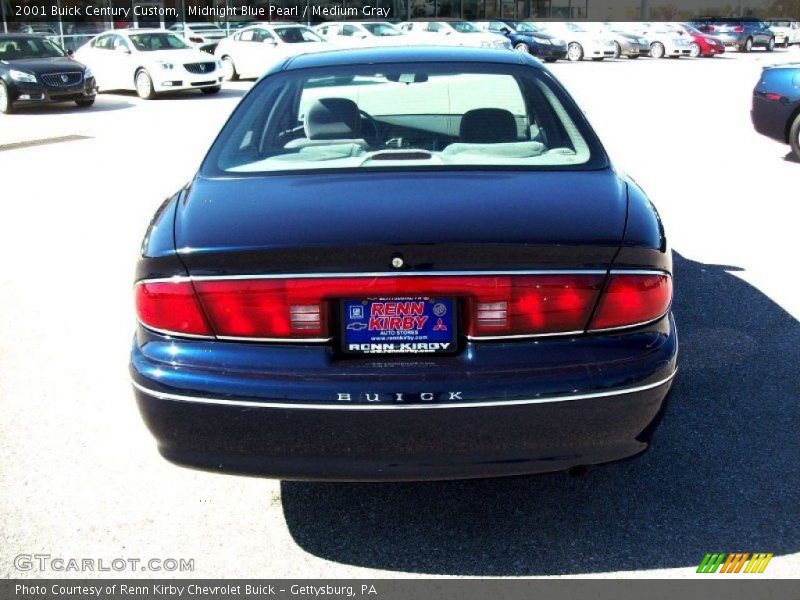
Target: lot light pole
(3, 15)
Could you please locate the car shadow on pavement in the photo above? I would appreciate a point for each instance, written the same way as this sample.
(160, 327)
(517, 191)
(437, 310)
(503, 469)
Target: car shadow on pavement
(721, 476)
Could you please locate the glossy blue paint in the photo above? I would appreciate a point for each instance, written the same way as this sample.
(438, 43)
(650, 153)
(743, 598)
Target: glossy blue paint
(274, 408)
(773, 118)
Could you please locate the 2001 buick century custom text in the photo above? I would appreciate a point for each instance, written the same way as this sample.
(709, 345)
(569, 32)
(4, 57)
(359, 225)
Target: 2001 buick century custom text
(404, 263)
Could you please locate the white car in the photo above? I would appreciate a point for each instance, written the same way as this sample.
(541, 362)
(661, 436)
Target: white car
(580, 42)
(664, 40)
(362, 34)
(204, 36)
(454, 33)
(787, 31)
(253, 50)
(149, 61)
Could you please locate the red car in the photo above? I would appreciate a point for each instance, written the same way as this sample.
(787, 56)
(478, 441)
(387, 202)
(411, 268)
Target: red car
(704, 45)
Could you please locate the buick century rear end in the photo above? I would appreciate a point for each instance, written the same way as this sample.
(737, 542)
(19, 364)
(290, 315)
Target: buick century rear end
(399, 264)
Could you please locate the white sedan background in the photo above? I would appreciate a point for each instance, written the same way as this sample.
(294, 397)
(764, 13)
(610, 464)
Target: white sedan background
(149, 61)
(251, 51)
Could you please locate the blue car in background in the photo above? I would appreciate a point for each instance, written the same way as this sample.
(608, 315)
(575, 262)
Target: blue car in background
(743, 33)
(526, 37)
(776, 105)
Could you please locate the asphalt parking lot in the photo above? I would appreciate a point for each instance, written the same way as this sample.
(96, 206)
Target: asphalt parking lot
(80, 476)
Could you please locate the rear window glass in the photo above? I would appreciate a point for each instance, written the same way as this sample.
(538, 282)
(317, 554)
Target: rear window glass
(435, 115)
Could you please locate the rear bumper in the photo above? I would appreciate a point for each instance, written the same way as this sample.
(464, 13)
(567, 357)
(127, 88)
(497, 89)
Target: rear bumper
(523, 407)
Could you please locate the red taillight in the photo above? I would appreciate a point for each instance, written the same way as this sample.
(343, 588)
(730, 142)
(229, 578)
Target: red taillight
(773, 97)
(494, 305)
(630, 299)
(170, 306)
(738, 29)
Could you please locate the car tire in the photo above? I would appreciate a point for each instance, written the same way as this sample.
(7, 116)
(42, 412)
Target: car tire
(229, 69)
(144, 85)
(748, 45)
(657, 50)
(771, 45)
(575, 52)
(794, 137)
(85, 102)
(617, 50)
(211, 90)
(522, 47)
(694, 50)
(6, 105)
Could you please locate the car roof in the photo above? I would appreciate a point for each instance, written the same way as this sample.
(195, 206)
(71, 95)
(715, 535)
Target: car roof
(408, 54)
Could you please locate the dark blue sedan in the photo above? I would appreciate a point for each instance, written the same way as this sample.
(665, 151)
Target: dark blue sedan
(404, 263)
(776, 105)
(526, 37)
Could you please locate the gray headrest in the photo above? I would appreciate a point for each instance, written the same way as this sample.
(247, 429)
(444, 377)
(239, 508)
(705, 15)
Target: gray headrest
(488, 126)
(333, 119)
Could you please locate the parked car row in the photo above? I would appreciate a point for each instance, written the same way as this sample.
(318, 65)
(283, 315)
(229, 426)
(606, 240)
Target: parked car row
(151, 61)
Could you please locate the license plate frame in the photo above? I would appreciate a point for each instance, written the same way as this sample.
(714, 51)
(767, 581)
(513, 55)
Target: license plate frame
(437, 336)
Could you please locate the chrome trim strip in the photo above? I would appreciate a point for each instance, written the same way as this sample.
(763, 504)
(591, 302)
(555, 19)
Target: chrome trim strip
(624, 327)
(185, 278)
(479, 404)
(278, 340)
(176, 333)
(181, 278)
(523, 336)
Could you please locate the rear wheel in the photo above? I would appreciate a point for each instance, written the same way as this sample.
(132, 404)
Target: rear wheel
(211, 90)
(694, 50)
(771, 45)
(144, 85)
(6, 106)
(522, 47)
(794, 137)
(229, 69)
(617, 50)
(574, 52)
(85, 102)
(748, 45)
(657, 50)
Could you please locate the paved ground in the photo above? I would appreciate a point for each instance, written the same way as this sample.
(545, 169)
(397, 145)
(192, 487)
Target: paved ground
(79, 474)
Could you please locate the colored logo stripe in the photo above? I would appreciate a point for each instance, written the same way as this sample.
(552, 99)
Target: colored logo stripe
(734, 562)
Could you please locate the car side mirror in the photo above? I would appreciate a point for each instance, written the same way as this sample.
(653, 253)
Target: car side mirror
(70, 53)
(505, 31)
(271, 42)
(122, 49)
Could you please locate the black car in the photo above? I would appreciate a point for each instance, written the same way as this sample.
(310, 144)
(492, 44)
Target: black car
(34, 70)
(526, 37)
(404, 263)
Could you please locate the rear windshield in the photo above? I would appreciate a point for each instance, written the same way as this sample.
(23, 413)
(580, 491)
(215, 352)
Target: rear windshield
(433, 116)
